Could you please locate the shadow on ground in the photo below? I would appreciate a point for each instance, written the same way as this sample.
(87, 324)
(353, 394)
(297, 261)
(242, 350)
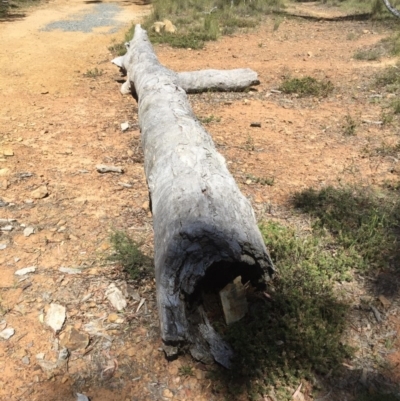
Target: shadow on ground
(296, 333)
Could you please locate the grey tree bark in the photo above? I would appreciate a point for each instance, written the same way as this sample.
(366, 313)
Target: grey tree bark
(236, 80)
(205, 229)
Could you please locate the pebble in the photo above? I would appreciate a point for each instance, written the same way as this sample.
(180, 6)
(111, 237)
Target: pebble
(7, 228)
(72, 339)
(8, 152)
(55, 316)
(7, 333)
(167, 393)
(40, 192)
(112, 317)
(69, 270)
(29, 231)
(101, 168)
(81, 397)
(3, 246)
(124, 126)
(25, 360)
(40, 355)
(25, 270)
(115, 296)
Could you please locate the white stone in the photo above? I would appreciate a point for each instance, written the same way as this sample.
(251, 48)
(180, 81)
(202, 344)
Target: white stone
(69, 270)
(7, 333)
(25, 270)
(29, 231)
(115, 296)
(55, 316)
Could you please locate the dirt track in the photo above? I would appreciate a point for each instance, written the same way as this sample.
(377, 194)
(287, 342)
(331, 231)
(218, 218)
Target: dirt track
(56, 124)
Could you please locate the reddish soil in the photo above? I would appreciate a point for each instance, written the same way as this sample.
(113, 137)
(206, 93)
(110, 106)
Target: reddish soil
(59, 124)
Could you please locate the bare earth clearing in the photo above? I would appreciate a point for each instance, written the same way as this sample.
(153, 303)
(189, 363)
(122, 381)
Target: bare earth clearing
(56, 125)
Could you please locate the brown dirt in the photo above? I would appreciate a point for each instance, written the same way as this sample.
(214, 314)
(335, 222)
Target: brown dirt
(59, 124)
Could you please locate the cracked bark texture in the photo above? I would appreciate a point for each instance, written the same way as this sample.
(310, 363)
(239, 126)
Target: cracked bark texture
(205, 231)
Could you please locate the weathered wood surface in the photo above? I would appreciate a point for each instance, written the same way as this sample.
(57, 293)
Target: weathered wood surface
(235, 80)
(205, 232)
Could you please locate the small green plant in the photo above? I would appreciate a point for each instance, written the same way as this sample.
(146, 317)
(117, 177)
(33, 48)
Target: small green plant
(93, 73)
(127, 252)
(367, 55)
(349, 126)
(277, 23)
(389, 78)
(392, 44)
(297, 333)
(387, 118)
(306, 86)
(387, 150)
(360, 221)
(210, 119)
(117, 49)
(396, 106)
(186, 371)
(261, 180)
(249, 144)
(351, 36)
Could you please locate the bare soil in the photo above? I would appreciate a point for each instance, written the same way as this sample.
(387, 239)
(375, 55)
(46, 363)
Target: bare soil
(56, 125)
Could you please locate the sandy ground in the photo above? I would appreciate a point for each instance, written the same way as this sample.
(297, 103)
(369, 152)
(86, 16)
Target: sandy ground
(56, 125)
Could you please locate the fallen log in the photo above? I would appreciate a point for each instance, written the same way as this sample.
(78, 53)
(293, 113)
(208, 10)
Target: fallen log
(205, 231)
(236, 80)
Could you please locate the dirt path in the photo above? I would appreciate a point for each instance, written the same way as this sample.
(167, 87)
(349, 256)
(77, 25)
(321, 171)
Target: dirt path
(56, 124)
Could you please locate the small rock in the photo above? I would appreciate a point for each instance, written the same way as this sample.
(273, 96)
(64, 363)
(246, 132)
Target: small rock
(248, 182)
(55, 316)
(74, 339)
(63, 355)
(115, 296)
(255, 124)
(4, 171)
(29, 231)
(25, 360)
(25, 270)
(112, 317)
(101, 168)
(81, 397)
(7, 228)
(384, 301)
(167, 393)
(7, 333)
(40, 355)
(130, 152)
(46, 365)
(3, 246)
(8, 152)
(146, 205)
(69, 270)
(40, 192)
(200, 374)
(3, 204)
(124, 126)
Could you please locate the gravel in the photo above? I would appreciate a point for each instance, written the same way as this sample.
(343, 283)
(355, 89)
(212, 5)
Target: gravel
(101, 15)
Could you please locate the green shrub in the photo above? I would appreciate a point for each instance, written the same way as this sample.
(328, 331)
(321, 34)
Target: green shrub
(306, 86)
(127, 252)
